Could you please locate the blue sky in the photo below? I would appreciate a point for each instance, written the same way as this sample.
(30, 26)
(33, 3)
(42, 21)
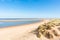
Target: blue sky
(29, 9)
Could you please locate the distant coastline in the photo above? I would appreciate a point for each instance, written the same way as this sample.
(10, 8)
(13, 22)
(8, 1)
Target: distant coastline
(6, 23)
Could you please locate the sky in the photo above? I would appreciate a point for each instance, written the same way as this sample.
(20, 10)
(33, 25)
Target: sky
(29, 8)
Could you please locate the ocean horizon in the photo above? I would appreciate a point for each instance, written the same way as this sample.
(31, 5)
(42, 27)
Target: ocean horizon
(15, 23)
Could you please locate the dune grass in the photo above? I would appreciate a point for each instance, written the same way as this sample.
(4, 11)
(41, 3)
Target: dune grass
(43, 29)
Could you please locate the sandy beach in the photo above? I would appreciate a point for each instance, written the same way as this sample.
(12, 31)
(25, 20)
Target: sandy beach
(23, 32)
(15, 32)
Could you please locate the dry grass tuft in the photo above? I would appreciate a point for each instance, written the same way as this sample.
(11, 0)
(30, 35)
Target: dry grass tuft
(43, 29)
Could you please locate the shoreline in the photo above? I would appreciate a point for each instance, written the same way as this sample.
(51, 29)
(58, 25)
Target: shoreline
(35, 23)
(17, 31)
(9, 24)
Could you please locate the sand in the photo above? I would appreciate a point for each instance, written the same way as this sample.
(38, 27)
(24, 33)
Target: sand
(23, 32)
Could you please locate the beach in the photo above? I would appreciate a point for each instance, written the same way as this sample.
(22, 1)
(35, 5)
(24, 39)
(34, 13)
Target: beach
(22, 32)
(15, 32)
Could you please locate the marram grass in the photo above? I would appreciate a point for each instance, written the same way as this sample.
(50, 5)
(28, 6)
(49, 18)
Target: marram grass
(43, 29)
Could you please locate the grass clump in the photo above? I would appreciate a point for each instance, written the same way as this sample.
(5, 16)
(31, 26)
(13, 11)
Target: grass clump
(42, 29)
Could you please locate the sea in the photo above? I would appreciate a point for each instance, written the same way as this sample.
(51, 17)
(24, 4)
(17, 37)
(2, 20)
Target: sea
(15, 23)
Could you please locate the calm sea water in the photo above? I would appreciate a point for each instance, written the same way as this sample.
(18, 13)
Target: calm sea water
(6, 24)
